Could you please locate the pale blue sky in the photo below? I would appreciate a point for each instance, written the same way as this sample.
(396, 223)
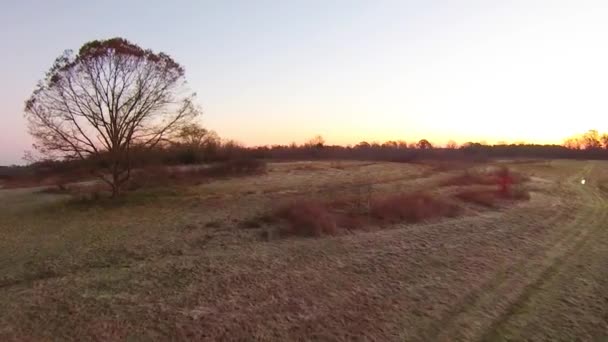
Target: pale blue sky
(281, 71)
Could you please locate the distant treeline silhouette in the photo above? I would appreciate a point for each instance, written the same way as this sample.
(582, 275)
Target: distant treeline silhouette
(198, 146)
(471, 151)
(591, 145)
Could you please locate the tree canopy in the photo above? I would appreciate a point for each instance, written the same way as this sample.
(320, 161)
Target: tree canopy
(109, 97)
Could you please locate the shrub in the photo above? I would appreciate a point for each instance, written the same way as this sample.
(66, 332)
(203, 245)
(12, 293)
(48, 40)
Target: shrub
(490, 197)
(469, 178)
(486, 198)
(188, 156)
(414, 207)
(492, 177)
(518, 193)
(151, 176)
(314, 218)
(308, 218)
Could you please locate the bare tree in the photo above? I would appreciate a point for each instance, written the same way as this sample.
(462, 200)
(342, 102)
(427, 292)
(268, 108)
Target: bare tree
(196, 136)
(316, 141)
(402, 144)
(591, 139)
(106, 99)
(424, 145)
(573, 143)
(363, 144)
(604, 139)
(390, 144)
(452, 145)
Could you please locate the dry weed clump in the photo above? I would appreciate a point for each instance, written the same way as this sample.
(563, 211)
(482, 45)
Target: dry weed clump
(484, 197)
(317, 218)
(258, 221)
(308, 218)
(411, 208)
(152, 176)
(469, 178)
(517, 193)
(492, 177)
(491, 197)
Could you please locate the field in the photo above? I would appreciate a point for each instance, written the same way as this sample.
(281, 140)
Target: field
(201, 262)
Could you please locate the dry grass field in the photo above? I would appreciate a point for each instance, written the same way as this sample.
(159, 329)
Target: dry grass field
(220, 261)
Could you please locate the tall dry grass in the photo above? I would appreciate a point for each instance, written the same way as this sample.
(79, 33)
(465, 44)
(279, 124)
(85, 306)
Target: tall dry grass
(316, 218)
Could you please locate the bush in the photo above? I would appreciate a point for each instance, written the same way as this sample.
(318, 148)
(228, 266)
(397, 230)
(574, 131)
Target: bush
(490, 197)
(492, 177)
(469, 178)
(517, 193)
(486, 198)
(151, 176)
(308, 218)
(315, 218)
(411, 208)
(188, 156)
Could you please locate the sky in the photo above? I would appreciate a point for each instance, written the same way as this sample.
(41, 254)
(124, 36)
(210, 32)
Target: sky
(273, 72)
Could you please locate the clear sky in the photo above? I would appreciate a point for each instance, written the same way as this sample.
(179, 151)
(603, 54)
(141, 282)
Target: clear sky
(280, 71)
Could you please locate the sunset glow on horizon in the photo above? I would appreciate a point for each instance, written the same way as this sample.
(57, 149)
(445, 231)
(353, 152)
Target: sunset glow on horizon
(279, 72)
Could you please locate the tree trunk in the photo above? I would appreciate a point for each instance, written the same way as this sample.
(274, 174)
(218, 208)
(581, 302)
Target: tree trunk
(115, 185)
(116, 181)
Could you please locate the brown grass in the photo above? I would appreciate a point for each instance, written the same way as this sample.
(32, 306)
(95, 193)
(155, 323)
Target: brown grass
(436, 166)
(469, 178)
(161, 176)
(517, 193)
(308, 218)
(411, 208)
(491, 197)
(258, 221)
(235, 167)
(154, 270)
(317, 218)
(492, 177)
(486, 198)
(602, 184)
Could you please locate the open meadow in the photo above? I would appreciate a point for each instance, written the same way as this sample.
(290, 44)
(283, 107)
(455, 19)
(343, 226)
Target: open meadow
(320, 250)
